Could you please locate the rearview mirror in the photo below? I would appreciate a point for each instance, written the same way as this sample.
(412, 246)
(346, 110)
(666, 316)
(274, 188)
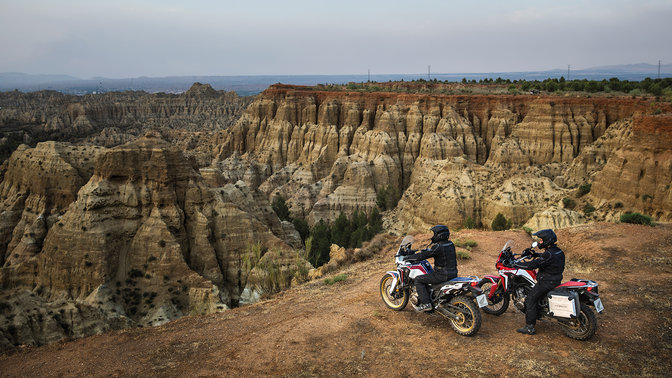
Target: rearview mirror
(534, 244)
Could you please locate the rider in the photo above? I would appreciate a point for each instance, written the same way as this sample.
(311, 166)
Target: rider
(551, 264)
(445, 264)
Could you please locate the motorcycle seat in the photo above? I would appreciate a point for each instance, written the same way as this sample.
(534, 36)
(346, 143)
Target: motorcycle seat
(571, 284)
(461, 279)
(454, 280)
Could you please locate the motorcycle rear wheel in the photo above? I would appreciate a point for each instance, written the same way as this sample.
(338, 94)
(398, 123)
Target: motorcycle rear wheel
(397, 304)
(469, 321)
(584, 326)
(499, 303)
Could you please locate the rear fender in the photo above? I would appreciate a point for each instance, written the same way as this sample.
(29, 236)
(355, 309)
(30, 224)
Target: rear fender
(493, 279)
(495, 284)
(475, 291)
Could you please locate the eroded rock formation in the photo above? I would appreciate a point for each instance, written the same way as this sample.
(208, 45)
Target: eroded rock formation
(115, 118)
(138, 238)
(453, 157)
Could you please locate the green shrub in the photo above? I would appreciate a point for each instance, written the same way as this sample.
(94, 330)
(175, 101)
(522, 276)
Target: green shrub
(467, 244)
(646, 197)
(469, 223)
(584, 189)
(528, 230)
(280, 207)
(302, 228)
(500, 223)
(463, 255)
(618, 205)
(568, 203)
(333, 280)
(637, 218)
(387, 198)
(588, 208)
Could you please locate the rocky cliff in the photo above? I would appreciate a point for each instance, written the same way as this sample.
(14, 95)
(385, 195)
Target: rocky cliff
(453, 157)
(115, 118)
(95, 239)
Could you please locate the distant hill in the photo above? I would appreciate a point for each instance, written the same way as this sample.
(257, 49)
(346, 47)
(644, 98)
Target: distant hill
(254, 84)
(21, 79)
(639, 68)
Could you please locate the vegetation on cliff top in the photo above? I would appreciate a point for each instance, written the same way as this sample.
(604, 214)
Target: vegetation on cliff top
(659, 88)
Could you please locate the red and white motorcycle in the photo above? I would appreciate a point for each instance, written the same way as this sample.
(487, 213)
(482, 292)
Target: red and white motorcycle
(455, 299)
(569, 303)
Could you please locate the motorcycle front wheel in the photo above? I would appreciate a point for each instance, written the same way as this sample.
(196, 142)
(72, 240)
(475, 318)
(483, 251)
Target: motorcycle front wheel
(499, 303)
(396, 301)
(469, 318)
(584, 326)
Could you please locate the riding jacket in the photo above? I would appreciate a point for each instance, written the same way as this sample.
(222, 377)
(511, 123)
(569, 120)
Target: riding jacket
(551, 264)
(445, 259)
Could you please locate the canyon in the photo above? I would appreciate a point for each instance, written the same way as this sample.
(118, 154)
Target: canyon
(130, 209)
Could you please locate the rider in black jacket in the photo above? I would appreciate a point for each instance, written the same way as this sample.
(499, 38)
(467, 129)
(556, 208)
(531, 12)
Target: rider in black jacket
(445, 264)
(551, 264)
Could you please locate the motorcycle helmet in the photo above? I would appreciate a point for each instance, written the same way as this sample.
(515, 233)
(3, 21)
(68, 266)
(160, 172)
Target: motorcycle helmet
(547, 236)
(441, 233)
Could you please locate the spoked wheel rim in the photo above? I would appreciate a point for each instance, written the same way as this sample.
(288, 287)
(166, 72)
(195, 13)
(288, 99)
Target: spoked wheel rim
(390, 300)
(465, 321)
(580, 324)
(584, 326)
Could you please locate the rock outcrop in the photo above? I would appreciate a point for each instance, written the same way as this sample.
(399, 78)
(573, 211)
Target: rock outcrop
(453, 157)
(138, 238)
(116, 118)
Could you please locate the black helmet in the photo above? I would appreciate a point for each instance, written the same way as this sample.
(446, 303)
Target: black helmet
(547, 237)
(441, 232)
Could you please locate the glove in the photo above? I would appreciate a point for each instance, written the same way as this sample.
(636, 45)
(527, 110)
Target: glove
(527, 252)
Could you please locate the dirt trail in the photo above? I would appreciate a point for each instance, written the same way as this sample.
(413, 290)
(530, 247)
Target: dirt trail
(345, 329)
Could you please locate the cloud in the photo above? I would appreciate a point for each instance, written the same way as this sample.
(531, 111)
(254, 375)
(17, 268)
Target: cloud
(158, 38)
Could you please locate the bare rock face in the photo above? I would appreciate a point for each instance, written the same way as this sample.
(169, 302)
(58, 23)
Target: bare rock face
(453, 157)
(116, 118)
(144, 241)
(554, 218)
(638, 175)
(37, 187)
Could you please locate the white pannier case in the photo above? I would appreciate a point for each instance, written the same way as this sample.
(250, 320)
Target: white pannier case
(564, 304)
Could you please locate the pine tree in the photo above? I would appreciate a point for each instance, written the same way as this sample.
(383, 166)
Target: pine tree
(500, 223)
(280, 208)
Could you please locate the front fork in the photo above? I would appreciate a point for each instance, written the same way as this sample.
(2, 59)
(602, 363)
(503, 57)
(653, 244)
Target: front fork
(397, 286)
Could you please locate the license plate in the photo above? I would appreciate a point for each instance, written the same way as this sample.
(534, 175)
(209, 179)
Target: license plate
(482, 300)
(598, 305)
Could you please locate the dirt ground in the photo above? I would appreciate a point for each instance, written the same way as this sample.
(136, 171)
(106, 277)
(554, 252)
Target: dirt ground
(345, 329)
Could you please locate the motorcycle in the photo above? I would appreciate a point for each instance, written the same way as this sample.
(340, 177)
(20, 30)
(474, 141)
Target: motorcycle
(453, 299)
(569, 303)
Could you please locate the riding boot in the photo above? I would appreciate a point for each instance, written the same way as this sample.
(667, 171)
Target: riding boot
(528, 329)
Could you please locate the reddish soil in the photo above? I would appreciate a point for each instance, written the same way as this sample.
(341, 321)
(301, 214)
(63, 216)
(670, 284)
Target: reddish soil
(345, 329)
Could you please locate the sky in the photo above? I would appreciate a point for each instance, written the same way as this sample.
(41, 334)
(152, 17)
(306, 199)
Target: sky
(156, 38)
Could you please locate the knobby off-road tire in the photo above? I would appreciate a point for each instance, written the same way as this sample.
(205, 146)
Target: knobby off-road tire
(500, 303)
(470, 320)
(584, 327)
(396, 304)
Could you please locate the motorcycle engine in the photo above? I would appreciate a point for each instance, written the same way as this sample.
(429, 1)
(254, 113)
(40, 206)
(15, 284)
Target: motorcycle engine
(414, 298)
(519, 298)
